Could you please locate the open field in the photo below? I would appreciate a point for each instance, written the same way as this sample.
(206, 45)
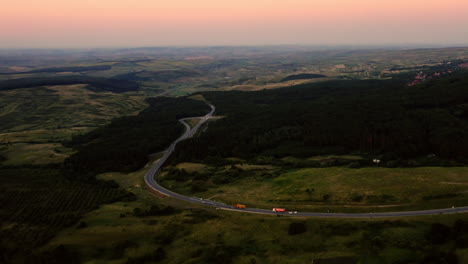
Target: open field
(333, 188)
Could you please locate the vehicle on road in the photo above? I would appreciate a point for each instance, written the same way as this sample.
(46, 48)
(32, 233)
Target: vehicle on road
(279, 210)
(241, 206)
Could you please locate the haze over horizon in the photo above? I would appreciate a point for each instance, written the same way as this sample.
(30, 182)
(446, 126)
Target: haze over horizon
(124, 23)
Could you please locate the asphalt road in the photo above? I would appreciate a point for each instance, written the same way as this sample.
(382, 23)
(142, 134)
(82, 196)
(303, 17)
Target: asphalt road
(152, 185)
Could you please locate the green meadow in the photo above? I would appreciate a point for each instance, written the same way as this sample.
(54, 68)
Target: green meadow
(339, 189)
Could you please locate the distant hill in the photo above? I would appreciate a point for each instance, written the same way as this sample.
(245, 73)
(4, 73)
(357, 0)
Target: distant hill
(157, 76)
(303, 76)
(66, 69)
(95, 83)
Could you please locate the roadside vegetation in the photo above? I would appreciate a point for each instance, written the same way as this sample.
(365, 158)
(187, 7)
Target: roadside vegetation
(335, 189)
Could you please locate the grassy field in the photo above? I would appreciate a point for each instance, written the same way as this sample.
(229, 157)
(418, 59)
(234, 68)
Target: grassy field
(332, 188)
(36, 154)
(194, 234)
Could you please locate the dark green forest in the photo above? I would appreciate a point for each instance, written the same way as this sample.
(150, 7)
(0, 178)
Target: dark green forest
(302, 76)
(384, 118)
(95, 83)
(124, 144)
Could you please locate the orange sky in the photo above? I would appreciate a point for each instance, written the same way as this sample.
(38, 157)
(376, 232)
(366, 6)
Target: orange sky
(102, 23)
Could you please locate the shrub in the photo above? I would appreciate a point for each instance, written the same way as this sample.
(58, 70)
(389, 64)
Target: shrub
(296, 229)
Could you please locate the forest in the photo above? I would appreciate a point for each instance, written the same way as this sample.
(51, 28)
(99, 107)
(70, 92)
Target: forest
(124, 144)
(377, 118)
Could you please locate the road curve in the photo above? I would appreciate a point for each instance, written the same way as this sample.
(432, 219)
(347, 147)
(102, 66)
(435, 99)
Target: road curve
(153, 186)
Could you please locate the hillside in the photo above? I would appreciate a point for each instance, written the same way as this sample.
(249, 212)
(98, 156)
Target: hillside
(95, 83)
(379, 118)
(125, 144)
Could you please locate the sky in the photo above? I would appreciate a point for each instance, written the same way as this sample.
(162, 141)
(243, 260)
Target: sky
(143, 23)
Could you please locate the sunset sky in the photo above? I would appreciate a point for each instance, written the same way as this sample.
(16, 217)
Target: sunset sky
(129, 23)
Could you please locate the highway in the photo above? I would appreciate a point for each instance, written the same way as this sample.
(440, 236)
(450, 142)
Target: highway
(152, 184)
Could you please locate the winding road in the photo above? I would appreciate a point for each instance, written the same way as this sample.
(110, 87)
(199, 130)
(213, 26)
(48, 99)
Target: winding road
(152, 184)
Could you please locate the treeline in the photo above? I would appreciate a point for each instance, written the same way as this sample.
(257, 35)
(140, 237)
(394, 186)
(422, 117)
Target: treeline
(67, 69)
(410, 72)
(124, 144)
(157, 76)
(377, 117)
(95, 83)
(302, 76)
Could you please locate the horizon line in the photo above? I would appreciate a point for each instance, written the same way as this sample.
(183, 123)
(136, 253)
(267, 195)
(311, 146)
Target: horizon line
(394, 45)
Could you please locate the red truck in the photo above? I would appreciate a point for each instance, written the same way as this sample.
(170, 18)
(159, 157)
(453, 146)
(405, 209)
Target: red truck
(240, 206)
(279, 210)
